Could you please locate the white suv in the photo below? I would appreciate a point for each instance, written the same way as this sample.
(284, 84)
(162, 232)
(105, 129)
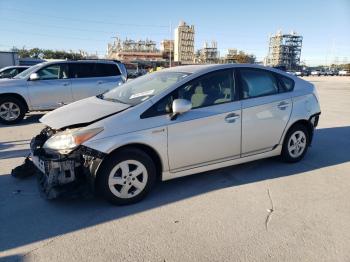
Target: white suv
(49, 85)
(174, 123)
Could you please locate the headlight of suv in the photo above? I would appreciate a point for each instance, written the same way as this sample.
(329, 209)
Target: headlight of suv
(70, 139)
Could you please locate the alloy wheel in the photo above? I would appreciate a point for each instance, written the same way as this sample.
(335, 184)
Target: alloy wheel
(128, 179)
(297, 144)
(9, 111)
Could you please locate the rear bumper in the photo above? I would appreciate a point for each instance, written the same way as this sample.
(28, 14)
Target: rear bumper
(314, 119)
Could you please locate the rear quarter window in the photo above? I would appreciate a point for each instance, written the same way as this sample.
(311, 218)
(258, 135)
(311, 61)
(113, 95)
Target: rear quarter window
(286, 83)
(102, 70)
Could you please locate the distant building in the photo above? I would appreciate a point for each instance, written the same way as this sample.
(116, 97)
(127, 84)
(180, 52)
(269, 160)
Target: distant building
(184, 43)
(86, 55)
(284, 50)
(209, 54)
(167, 48)
(231, 56)
(130, 50)
(8, 58)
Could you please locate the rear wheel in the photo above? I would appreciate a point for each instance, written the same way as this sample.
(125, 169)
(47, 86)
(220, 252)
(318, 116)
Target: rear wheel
(126, 177)
(12, 110)
(295, 144)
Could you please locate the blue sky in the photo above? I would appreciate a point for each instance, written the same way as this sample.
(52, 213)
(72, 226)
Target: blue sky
(245, 25)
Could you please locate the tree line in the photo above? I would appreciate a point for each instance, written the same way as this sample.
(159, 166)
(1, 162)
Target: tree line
(47, 54)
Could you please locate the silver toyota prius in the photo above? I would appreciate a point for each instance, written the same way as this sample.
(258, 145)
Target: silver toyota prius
(174, 123)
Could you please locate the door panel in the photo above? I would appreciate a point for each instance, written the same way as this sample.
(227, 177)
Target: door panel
(91, 79)
(266, 109)
(263, 122)
(203, 135)
(52, 90)
(85, 87)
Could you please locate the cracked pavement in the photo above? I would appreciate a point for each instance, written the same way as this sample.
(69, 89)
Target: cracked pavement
(260, 211)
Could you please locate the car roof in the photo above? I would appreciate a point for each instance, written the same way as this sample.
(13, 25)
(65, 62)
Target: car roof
(79, 61)
(192, 69)
(16, 66)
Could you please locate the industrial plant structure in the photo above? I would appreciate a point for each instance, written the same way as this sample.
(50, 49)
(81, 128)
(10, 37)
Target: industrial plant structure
(284, 50)
(131, 50)
(184, 44)
(167, 48)
(209, 54)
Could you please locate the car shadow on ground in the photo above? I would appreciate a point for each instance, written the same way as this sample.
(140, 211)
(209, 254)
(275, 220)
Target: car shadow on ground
(28, 119)
(26, 218)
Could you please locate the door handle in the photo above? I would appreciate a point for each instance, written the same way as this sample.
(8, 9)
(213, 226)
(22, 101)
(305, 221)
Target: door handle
(100, 82)
(230, 118)
(65, 84)
(283, 105)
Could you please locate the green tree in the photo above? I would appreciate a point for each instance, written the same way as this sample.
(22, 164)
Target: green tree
(47, 53)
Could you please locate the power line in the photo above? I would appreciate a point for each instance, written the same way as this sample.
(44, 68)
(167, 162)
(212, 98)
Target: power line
(51, 36)
(66, 27)
(81, 20)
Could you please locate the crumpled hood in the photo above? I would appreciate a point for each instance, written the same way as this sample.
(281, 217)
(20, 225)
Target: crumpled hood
(81, 112)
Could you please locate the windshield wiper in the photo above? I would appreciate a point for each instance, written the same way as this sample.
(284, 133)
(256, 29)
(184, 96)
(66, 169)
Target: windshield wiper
(101, 96)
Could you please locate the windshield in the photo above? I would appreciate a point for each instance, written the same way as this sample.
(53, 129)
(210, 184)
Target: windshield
(26, 73)
(136, 91)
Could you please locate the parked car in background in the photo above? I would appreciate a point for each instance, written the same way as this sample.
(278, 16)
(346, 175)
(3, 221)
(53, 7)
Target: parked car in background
(330, 73)
(318, 73)
(302, 73)
(173, 123)
(11, 71)
(49, 85)
(344, 73)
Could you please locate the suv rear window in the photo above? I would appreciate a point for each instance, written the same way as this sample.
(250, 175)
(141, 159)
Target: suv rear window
(85, 70)
(106, 70)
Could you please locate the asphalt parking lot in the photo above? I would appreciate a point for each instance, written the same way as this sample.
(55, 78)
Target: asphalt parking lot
(261, 211)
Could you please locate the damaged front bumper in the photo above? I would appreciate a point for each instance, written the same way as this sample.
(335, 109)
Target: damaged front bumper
(64, 174)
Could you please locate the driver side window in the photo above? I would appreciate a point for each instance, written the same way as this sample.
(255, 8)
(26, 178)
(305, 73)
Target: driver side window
(211, 89)
(53, 72)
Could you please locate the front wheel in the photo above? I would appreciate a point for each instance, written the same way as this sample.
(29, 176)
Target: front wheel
(12, 110)
(295, 144)
(126, 177)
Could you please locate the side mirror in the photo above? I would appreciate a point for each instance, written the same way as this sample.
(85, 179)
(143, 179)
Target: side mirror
(180, 106)
(34, 77)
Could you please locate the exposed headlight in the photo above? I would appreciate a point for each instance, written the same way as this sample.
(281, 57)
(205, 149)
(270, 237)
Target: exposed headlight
(70, 139)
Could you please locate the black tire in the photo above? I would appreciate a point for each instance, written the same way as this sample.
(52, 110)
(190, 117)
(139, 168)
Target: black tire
(285, 154)
(17, 102)
(113, 160)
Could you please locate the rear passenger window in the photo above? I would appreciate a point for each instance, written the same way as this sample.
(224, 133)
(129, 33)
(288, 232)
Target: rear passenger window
(255, 83)
(287, 83)
(102, 70)
(82, 70)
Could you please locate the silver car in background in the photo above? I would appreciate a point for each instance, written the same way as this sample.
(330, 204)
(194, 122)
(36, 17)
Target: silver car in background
(11, 71)
(49, 85)
(173, 123)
